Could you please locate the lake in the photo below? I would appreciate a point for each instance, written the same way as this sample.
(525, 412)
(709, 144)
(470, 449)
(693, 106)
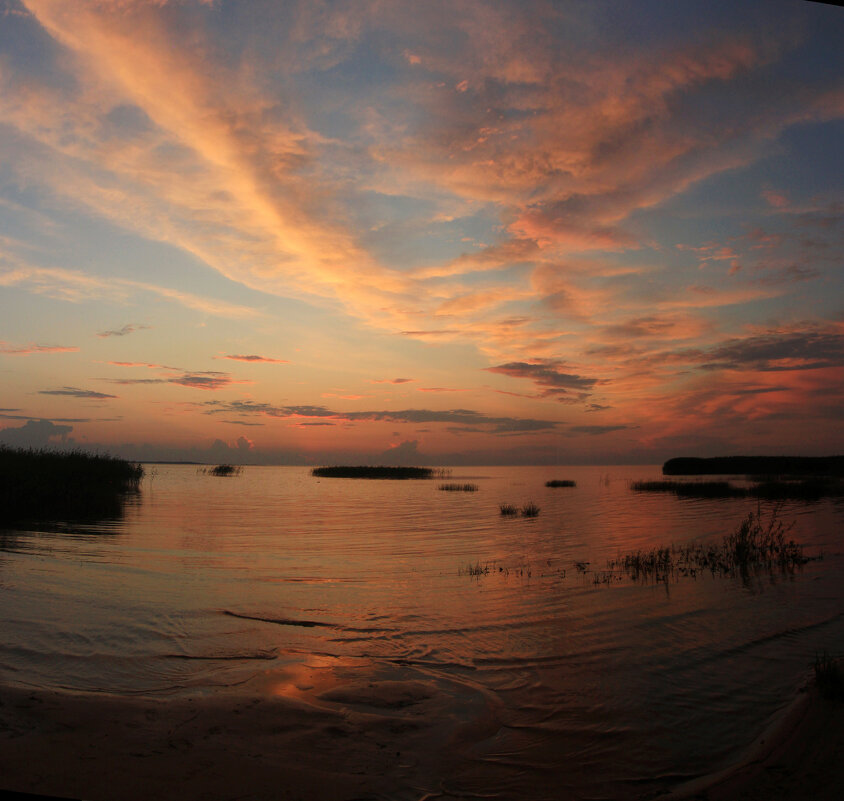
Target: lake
(431, 607)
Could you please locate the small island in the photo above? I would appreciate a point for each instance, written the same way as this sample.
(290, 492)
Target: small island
(368, 471)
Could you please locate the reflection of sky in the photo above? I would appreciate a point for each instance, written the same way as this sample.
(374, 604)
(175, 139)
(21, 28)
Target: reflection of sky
(608, 231)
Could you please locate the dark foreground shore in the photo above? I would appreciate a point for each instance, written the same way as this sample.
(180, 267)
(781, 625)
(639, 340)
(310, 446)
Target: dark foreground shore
(374, 743)
(801, 756)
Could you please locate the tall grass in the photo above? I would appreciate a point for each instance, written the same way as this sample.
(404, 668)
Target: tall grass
(45, 485)
(368, 471)
(459, 487)
(756, 545)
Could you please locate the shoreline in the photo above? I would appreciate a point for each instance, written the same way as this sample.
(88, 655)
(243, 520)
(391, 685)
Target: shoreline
(799, 755)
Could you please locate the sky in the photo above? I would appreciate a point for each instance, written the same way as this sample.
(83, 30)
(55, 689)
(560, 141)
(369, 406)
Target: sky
(447, 232)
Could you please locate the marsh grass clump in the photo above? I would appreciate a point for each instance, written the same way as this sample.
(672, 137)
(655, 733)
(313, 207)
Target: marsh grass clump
(459, 487)
(225, 470)
(368, 471)
(829, 677)
(530, 509)
(508, 510)
(50, 485)
(522, 569)
(756, 545)
(558, 482)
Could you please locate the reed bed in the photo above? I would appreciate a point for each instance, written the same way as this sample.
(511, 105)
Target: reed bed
(374, 472)
(557, 482)
(226, 470)
(459, 487)
(53, 485)
(756, 545)
(805, 489)
(691, 489)
(222, 470)
(529, 509)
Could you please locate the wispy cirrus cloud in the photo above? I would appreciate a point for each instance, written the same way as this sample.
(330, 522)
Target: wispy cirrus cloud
(24, 350)
(129, 328)
(491, 424)
(206, 379)
(74, 392)
(76, 286)
(254, 358)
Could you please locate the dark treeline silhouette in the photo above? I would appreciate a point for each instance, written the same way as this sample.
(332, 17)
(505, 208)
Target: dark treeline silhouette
(755, 465)
(52, 485)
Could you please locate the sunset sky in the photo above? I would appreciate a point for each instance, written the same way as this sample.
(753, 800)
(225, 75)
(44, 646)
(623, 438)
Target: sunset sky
(444, 232)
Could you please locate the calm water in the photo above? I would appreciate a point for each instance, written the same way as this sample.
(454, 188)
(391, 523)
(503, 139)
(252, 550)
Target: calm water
(586, 690)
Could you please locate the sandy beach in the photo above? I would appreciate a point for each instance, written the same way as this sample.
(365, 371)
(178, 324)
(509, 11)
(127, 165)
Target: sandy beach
(353, 740)
(294, 739)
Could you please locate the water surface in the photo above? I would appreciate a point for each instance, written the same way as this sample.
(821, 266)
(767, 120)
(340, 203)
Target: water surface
(277, 582)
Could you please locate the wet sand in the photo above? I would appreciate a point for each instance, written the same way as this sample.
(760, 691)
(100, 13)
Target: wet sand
(356, 739)
(405, 737)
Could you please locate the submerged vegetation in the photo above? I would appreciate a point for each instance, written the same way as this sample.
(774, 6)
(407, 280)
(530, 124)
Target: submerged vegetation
(381, 471)
(558, 482)
(477, 570)
(45, 485)
(459, 487)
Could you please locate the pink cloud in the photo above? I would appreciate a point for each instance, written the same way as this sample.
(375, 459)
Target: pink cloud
(24, 350)
(253, 358)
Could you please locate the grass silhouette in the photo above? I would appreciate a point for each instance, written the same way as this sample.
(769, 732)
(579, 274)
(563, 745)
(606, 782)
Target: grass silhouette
(225, 470)
(756, 545)
(45, 485)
